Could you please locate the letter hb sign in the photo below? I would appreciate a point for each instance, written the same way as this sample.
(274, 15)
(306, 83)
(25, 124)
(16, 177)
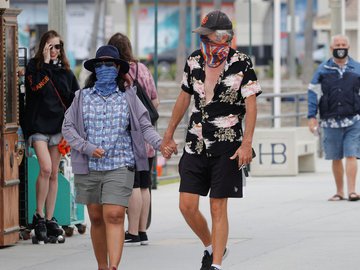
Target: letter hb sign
(275, 152)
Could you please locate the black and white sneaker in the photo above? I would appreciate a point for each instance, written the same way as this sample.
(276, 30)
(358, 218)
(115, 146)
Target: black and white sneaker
(207, 259)
(131, 240)
(143, 238)
(214, 268)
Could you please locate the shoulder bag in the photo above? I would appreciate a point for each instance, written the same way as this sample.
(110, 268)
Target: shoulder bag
(140, 92)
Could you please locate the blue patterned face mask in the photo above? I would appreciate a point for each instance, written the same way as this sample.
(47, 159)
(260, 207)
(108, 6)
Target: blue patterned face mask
(106, 80)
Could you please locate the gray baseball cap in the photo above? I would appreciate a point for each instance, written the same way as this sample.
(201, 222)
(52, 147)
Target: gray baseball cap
(214, 20)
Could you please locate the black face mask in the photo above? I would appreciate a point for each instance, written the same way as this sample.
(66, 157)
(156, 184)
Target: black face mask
(340, 53)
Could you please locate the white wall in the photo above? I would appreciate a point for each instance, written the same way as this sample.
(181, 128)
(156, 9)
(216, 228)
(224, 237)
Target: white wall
(259, 13)
(79, 23)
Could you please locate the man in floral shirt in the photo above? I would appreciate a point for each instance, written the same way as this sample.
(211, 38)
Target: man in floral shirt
(224, 86)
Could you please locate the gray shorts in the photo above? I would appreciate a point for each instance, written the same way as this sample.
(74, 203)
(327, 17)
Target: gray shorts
(104, 187)
(51, 140)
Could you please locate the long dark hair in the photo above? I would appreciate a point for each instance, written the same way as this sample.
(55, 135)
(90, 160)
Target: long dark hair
(39, 57)
(123, 44)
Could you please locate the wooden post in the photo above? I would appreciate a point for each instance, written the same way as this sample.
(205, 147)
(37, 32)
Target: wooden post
(9, 123)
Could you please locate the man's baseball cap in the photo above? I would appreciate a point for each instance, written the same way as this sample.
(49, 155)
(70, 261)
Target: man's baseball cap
(214, 20)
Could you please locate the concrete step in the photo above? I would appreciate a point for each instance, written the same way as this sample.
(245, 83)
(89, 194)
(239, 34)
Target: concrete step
(168, 90)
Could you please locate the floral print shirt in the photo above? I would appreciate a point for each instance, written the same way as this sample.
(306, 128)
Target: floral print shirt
(216, 127)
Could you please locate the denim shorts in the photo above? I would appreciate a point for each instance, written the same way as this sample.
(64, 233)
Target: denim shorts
(342, 142)
(51, 140)
(104, 187)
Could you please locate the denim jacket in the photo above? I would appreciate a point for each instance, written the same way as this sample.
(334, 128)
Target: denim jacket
(335, 91)
(141, 130)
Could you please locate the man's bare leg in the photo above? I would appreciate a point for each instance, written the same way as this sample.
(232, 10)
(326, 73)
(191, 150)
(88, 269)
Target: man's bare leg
(338, 172)
(189, 207)
(220, 228)
(351, 171)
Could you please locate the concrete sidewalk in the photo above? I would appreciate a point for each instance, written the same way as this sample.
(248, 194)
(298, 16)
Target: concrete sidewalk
(282, 223)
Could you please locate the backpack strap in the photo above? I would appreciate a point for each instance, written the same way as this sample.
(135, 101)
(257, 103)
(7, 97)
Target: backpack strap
(137, 71)
(57, 93)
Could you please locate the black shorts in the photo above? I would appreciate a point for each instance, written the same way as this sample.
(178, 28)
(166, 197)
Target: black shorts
(143, 178)
(220, 175)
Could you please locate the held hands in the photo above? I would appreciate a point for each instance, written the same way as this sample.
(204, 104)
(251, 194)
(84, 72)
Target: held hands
(168, 147)
(46, 52)
(243, 155)
(313, 125)
(98, 153)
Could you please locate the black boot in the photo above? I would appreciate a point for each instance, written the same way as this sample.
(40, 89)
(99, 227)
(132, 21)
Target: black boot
(53, 228)
(39, 226)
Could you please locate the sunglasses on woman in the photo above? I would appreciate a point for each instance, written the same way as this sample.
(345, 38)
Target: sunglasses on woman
(56, 46)
(107, 64)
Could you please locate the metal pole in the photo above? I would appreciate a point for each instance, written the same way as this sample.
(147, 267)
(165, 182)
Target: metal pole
(154, 182)
(273, 112)
(217, 4)
(95, 29)
(181, 49)
(337, 17)
(250, 29)
(297, 109)
(105, 12)
(156, 43)
(292, 35)
(136, 27)
(57, 17)
(308, 72)
(277, 63)
(343, 21)
(193, 24)
(358, 31)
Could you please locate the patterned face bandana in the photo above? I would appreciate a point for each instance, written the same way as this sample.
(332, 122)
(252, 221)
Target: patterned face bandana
(106, 76)
(213, 53)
